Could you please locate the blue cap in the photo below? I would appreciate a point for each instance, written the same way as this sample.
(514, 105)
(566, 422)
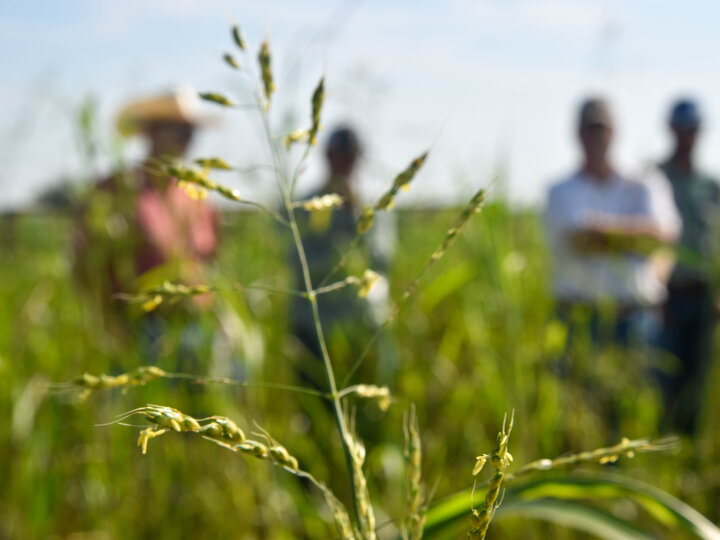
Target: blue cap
(685, 114)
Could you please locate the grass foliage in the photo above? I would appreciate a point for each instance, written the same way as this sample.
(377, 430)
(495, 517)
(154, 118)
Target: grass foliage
(390, 441)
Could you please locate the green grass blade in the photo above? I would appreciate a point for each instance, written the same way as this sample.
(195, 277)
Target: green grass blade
(667, 511)
(574, 515)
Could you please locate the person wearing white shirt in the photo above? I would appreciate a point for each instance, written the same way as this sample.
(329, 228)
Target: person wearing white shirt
(602, 226)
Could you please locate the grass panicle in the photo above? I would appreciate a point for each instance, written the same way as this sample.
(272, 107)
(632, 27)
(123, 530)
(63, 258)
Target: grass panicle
(401, 182)
(321, 203)
(230, 61)
(386, 202)
(139, 377)
(318, 98)
(238, 38)
(264, 60)
(363, 503)
(472, 208)
(310, 134)
(199, 177)
(499, 459)
(153, 297)
(467, 212)
(214, 163)
(627, 448)
(225, 433)
(380, 394)
(415, 491)
(218, 99)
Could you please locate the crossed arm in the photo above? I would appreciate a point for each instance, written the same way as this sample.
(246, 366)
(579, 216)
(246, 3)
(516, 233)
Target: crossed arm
(632, 234)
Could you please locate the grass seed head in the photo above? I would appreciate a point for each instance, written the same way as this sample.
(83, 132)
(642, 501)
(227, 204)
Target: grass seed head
(213, 430)
(414, 521)
(214, 163)
(190, 424)
(166, 417)
(230, 430)
(86, 380)
(196, 193)
(152, 303)
(500, 459)
(230, 61)
(280, 455)
(369, 279)
(317, 103)
(145, 374)
(367, 218)
(255, 448)
(146, 435)
(238, 37)
(381, 394)
(479, 464)
(219, 99)
(294, 137)
(266, 71)
(323, 202)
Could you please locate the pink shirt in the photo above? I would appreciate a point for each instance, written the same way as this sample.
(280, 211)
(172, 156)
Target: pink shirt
(174, 226)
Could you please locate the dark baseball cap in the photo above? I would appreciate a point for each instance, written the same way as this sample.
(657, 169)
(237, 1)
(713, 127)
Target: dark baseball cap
(685, 114)
(344, 139)
(595, 112)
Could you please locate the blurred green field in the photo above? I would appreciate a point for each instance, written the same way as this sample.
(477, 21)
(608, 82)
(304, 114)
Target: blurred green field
(478, 340)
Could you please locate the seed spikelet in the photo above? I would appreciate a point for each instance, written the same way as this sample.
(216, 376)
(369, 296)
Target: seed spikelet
(230, 61)
(266, 71)
(217, 98)
(238, 37)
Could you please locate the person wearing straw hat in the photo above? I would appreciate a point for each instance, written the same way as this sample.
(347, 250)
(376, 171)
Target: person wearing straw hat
(138, 228)
(174, 225)
(689, 311)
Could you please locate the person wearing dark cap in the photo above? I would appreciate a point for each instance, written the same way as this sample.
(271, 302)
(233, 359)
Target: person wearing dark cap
(689, 310)
(326, 235)
(599, 223)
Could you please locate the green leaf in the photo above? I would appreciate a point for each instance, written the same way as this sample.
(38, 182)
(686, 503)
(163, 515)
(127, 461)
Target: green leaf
(572, 501)
(575, 515)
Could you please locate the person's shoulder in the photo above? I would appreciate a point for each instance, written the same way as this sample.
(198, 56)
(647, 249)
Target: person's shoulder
(647, 176)
(709, 187)
(563, 184)
(708, 179)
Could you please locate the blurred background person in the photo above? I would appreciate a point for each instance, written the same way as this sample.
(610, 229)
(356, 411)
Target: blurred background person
(689, 315)
(137, 228)
(326, 236)
(348, 321)
(602, 226)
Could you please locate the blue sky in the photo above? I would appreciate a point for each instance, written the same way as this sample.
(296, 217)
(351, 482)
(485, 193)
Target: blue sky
(488, 84)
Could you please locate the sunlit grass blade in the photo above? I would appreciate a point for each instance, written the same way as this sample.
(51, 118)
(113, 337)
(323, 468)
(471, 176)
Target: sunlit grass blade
(668, 513)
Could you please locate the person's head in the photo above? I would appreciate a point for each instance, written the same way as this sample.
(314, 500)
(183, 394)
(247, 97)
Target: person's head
(342, 152)
(684, 122)
(595, 130)
(168, 138)
(167, 120)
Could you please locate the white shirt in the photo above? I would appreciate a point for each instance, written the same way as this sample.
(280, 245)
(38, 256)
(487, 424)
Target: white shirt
(580, 201)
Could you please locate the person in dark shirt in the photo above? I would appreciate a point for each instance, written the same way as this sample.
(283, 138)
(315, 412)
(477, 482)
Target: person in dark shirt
(690, 307)
(347, 320)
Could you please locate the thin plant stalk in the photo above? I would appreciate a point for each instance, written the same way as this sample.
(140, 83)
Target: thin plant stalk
(335, 400)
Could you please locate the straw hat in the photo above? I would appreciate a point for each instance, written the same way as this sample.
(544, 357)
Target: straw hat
(180, 105)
